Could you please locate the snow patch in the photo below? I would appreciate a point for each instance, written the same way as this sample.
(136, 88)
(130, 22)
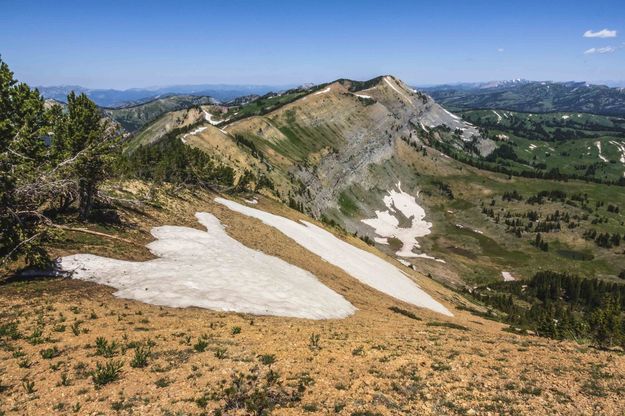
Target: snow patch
(452, 115)
(498, 116)
(598, 144)
(322, 91)
(363, 96)
(381, 240)
(209, 117)
(507, 277)
(362, 265)
(192, 133)
(209, 269)
(565, 117)
(621, 148)
(532, 146)
(386, 223)
(404, 96)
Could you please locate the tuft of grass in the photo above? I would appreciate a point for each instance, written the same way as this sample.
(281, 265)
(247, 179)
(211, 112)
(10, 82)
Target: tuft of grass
(107, 373)
(313, 343)
(235, 330)
(28, 385)
(358, 351)
(140, 359)
(76, 327)
(405, 312)
(451, 325)
(267, 359)
(64, 380)
(24, 363)
(50, 353)
(162, 382)
(104, 348)
(10, 330)
(200, 345)
(221, 353)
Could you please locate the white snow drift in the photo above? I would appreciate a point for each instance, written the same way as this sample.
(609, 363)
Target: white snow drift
(386, 224)
(507, 277)
(603, 158)
(621, 149)
(362, 265)
(192, 133)
(211, 270)
(322, 91)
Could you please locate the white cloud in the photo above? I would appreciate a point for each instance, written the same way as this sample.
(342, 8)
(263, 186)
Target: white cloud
(605, 49)
(500, 50)
(605, 33)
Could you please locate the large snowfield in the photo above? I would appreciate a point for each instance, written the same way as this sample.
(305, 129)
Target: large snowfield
(209, 269)
(360, 264)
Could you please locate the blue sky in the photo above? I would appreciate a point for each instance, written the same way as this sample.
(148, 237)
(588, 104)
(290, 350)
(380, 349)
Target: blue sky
(123, 44)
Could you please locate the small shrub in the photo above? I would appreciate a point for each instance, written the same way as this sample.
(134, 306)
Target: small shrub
(104, 348)
(24, 363)
(140, 359)
(36, 337)
(10, 331)
(451, 325)
(76, 327)
(267, 359)
(107, 373)
(221, 353)
(236, 330)
(404, 312)
(162, 382)
(64, 380)
(200, 345)
(313, 343)
(50, 353)
(28, 385)
(358, 351)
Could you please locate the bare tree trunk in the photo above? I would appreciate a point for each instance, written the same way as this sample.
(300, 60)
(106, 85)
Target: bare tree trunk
(87, 192)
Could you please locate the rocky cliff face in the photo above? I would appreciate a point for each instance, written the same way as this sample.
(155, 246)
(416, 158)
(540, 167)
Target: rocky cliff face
(340, 135)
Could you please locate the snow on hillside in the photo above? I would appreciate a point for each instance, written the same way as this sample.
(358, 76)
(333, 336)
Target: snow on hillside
(191, 133)
(209, 269)
(396, 89)
(387, 224)
(603, 158)
(621, 149)
(362, 265)
(322, 91)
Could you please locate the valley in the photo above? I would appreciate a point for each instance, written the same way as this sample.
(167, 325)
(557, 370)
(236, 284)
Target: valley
(350, 247)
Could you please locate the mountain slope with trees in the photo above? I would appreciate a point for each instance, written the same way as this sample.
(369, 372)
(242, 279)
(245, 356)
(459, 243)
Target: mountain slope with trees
(533, 96)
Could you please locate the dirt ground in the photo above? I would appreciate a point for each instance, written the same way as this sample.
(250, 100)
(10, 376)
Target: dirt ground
(405, 361)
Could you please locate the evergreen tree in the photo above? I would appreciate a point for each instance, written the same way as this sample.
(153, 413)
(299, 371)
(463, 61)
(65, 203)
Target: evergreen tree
(80, 136)
(22, 153)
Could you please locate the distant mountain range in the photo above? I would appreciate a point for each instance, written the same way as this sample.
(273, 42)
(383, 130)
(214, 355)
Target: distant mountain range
(532, 96)
(134, 96)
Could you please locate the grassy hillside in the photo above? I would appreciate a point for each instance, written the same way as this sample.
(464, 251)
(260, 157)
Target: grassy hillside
(335, 155)
(533, 96)
(579, 144)
(133, 118)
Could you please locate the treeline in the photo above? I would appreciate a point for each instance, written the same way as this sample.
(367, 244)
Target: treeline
(170, 160)
(561, 306)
